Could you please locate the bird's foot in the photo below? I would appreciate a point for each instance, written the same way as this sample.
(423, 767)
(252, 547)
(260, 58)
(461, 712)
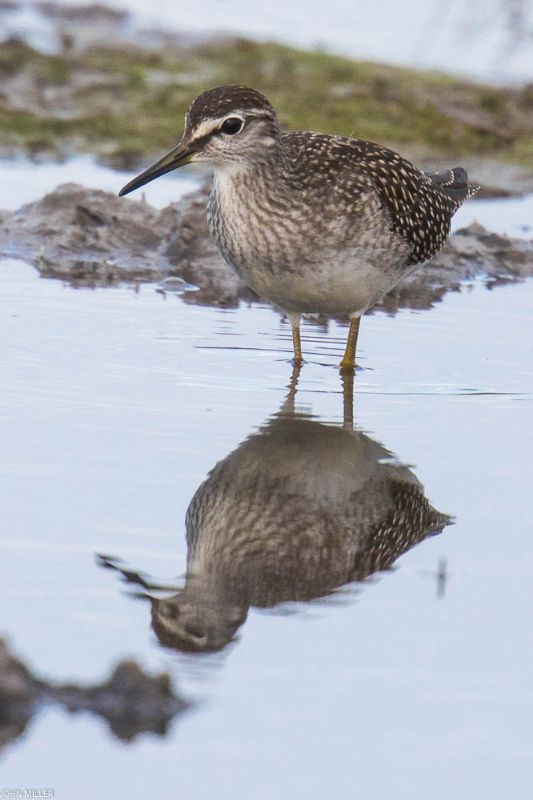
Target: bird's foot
(347, 367)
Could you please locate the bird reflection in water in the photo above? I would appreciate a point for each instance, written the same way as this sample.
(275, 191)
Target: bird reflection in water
(299, 509)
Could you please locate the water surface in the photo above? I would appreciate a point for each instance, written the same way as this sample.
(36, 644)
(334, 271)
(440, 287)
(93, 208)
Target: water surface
(115, 405)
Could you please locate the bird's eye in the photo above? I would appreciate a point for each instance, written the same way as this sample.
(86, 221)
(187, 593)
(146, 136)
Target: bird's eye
(231, 126)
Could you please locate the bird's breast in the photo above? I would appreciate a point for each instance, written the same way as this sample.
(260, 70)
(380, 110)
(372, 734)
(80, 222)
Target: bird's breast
(297, 254)
(253, 227)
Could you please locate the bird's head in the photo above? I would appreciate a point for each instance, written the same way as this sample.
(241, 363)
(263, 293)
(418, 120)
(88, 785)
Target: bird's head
(196, 620)
(226, 127)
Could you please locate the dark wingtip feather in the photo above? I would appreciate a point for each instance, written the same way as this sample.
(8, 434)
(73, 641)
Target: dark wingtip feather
(453, 182)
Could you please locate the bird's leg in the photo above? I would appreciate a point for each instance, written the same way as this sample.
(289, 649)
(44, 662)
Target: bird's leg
(297, 345)
(294, 319)
(348, 361)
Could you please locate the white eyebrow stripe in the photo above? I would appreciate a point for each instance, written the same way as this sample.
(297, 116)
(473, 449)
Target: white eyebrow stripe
(207, 126)
(212, 124)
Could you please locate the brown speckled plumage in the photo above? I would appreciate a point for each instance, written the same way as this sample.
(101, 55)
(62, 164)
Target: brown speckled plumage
(222, 100)
(321, 223)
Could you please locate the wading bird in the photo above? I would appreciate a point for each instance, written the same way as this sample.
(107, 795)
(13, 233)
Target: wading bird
(313, 223)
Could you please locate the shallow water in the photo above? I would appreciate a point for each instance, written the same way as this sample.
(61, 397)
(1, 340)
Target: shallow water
(25, 182)
(115, 405)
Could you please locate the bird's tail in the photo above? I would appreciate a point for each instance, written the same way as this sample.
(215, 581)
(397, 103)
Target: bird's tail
(454, 183)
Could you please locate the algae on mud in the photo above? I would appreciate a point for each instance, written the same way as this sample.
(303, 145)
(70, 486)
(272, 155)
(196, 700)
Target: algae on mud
(124, 101)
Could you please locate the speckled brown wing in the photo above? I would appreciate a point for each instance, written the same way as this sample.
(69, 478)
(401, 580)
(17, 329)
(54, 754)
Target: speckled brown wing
(420, 206)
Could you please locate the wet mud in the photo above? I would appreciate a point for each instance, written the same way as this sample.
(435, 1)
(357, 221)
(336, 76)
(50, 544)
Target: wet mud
(94, 238)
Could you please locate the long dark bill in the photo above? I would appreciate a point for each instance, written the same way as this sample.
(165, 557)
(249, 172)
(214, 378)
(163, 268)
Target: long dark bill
(177, 157)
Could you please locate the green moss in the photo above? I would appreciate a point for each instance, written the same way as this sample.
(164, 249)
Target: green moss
(136, 79)
(492, 100)
(57, 72)
(129, 100)
(526, 97)
(14, 55)
(522, 152)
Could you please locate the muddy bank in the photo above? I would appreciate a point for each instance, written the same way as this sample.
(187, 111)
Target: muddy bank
(93, 238)
(93, 83)
(130, 701)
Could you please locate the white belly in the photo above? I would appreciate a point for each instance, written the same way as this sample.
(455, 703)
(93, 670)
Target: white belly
(344, 285)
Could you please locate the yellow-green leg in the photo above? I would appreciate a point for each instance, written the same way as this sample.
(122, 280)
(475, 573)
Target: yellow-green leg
(348, 361)
(297, 345)
(294, 319)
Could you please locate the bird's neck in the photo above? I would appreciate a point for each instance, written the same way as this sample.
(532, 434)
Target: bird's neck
(268, 162)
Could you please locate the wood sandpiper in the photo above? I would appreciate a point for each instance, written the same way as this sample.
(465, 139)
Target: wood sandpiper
(312, 222)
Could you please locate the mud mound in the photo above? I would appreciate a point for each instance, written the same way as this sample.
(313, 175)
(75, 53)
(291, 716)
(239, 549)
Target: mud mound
(90, 237)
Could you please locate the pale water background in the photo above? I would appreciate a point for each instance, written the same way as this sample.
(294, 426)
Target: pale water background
(487, 39)
(114, 405)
